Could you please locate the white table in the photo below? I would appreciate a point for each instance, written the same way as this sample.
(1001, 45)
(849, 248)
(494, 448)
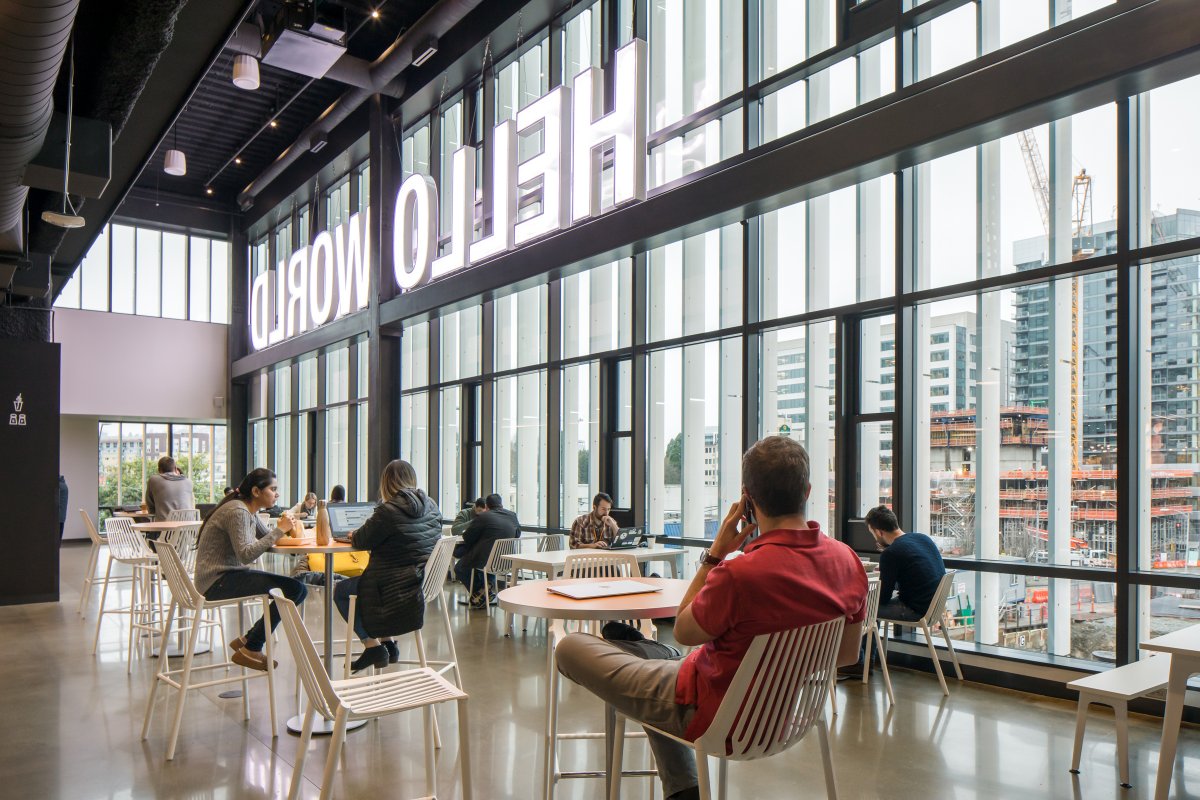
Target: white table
(321, 726)
(551, 563)
(533, 599)
(1184, 649)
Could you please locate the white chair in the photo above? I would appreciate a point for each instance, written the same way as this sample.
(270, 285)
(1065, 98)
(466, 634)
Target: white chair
(934, 615)
(89, 575)
(550, 542)
(582, 564)
(185, 597)
(367, 697)
(775, 698)
(498, 566)
(871, 631)
(184, 515)
(126, 546)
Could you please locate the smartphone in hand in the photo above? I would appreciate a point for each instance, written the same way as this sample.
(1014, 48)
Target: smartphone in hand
(748, 513)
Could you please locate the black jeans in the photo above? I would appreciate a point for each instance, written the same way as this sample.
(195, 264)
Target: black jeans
(248, 582)
(341, 599)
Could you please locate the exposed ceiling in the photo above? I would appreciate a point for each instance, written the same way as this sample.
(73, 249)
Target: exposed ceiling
(141, 63)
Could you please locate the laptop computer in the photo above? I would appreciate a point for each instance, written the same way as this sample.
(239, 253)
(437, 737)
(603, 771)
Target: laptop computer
(590, 591)
(627, 539)
(859, 537)
(346, 518)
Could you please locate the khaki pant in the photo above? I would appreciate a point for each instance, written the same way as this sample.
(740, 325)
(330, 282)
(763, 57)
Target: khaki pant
(640, 688)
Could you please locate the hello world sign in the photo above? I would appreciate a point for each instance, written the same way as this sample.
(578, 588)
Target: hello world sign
(330, 278)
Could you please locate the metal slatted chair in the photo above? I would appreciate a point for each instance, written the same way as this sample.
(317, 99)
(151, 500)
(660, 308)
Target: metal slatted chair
(934, 615)
(871, 631)
(776, 697)
(126, 546)
(367, 697)
(185, 597)
(99, 541)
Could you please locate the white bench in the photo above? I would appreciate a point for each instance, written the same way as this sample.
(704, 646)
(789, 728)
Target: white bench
(1115, 688)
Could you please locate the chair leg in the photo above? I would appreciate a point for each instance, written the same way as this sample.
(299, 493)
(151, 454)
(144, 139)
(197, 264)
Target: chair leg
(1081, 714)
(833, 692)
(614, 775)
(430, 767)
(163, 667)
(302, 752)
(1121, 712)
(134, 604)
(887, 679)
(450, 639)
(335, 748)
(705, 785)
(464, 748)
(866, 665)
(953, 654)
(437, 734)
(103, 597)
(722, 778)
(937, 664)
(551, 744)
(266, 606)
(827, 759)
(89, 577)
(349, 634)
(185, 678)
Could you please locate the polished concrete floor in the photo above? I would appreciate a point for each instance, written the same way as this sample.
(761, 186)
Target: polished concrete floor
(72, 722)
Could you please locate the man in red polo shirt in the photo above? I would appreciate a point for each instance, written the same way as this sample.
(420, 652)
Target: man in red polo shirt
(792, 575)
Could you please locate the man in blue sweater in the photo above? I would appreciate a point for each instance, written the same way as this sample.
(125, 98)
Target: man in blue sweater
(910, 566)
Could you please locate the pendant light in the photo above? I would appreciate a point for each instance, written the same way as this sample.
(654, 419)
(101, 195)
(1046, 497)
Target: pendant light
(63, 219)
(175, 162)
(245, 72)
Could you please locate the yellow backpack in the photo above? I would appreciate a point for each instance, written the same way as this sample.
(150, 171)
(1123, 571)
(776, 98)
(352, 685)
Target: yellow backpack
(349, 564)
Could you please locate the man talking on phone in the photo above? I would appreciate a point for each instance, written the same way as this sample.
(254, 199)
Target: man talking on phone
(790, 576)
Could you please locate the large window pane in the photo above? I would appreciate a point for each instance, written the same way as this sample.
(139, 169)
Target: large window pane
(694, 444)
(698, 148)
(174, 276)
(460, 344)
(597, 309)
(220, 283)
(283, 389)
(363, 488)
(337, 375)
(337, 447)
(580, 440)
(308, 381)
(283, 461)
(122, 269)
(450, 453)
(94, 294)
(581, 43)
(947, 41)
(414, 356)
(414, 434)
(521, 329)
(1170, 164)
(68, 297)
(798, 389)
(695, 56)
(133, 465)
(199, 276)
(696, 284)
(149, 272)
(520, 467)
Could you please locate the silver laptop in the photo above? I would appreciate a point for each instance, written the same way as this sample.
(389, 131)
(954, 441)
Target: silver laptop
(590, 591)
(346, 518)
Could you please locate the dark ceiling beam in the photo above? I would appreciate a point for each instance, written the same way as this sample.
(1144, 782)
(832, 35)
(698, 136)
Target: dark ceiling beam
(1062, 72)
(201, 30)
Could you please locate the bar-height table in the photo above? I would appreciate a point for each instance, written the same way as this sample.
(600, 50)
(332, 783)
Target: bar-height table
(1183, 646)
(321, 726)
(174, 650)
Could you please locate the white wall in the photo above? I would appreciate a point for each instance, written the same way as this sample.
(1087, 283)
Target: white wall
(119, 366)
(79, 442)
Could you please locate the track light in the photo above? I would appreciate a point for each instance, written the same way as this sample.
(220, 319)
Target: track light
(425, 53)
(245, 72)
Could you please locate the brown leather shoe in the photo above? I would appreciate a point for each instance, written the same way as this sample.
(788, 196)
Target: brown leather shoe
(251, 659)
(237, 644)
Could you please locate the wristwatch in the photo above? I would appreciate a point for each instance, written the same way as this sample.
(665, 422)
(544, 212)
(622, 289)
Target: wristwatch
(707, 557)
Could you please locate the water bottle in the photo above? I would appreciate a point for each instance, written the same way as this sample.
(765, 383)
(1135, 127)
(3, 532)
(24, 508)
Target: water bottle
(324, 533)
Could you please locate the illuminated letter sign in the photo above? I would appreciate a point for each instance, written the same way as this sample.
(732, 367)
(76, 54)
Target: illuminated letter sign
(318, 284)
(574, 133)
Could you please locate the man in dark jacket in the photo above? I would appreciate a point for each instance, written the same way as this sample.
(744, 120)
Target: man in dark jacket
(495, 522)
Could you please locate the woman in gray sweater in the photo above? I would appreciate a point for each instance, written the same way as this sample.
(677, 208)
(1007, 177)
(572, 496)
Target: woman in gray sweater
(231, 539)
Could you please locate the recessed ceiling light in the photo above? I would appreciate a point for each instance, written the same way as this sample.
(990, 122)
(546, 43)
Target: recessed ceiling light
(375, 14)
(208, 190)
(274, 124)
(237, 161)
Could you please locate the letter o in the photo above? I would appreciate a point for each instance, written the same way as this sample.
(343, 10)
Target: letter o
(414, 231)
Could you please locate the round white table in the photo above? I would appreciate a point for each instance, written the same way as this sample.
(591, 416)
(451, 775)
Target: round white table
(320, 726)
(534, 599)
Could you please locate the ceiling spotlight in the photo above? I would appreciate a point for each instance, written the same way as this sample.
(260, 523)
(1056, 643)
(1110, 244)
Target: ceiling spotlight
(237, 161)
(208, 190)
(375, 14)
(273, 124)
(423, 54)
(245, 72)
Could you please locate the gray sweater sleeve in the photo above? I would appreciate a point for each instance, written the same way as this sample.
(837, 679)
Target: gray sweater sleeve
(246, 541)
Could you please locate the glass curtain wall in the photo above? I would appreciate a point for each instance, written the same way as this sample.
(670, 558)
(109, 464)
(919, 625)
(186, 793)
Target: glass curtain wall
(129, 452)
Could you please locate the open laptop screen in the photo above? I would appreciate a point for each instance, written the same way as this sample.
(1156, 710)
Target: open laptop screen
(345, 518)
(859, 537)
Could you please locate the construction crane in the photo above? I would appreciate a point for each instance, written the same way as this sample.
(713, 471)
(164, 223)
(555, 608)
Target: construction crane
(1081, 247)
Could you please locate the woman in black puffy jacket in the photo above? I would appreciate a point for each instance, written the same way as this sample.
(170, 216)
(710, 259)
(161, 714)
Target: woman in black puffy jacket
(400, 535)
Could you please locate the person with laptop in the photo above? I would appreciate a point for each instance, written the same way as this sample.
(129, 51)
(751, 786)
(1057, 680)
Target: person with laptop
(494, 523)
(400, 535)
(910, 566)
(306, 508)
(790, 576)
(596, 529)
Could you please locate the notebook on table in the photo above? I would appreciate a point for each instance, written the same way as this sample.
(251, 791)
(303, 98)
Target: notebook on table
(591, 591)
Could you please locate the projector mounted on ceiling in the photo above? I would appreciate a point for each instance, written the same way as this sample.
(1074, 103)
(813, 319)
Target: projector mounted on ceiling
(305, 37)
